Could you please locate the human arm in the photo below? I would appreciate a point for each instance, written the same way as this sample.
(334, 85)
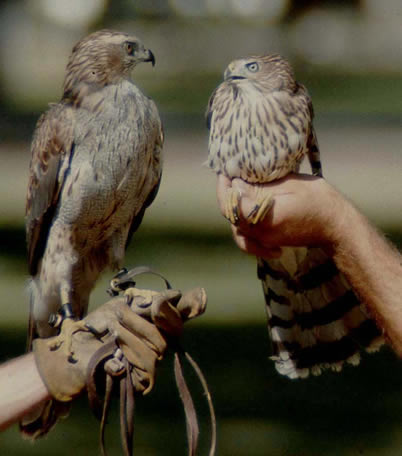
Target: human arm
(138, 325)
(21, 388)
(307, 211)
(48, 372)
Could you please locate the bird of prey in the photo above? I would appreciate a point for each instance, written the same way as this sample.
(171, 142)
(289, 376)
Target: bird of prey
(260, 121)
(96, 166)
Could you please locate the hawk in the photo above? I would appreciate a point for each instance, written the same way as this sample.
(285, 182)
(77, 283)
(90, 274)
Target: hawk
(260, 121)
(96, 166)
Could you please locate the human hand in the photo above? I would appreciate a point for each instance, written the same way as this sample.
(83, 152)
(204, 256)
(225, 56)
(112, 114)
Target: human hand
(302, 214)
(139, 333)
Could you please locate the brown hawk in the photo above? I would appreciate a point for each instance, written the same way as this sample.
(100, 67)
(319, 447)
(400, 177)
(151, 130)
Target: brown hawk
(96, 166)
(260, 122)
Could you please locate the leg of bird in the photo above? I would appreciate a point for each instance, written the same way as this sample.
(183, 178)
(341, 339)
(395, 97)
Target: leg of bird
(262, 207)
(69, 326)
(232, 201)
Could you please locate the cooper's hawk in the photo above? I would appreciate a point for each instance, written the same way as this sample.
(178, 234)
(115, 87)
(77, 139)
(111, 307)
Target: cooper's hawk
(96, 165)
(260, 122)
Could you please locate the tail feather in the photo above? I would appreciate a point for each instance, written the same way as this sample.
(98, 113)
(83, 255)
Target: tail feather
(315, 320)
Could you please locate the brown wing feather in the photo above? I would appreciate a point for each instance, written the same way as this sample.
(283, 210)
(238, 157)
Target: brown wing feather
(136, 222)
(51, 148)
(313, 151)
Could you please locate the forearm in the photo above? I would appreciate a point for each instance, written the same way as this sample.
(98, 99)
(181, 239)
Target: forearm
(309, 211)
(21, 388)
(374, 269)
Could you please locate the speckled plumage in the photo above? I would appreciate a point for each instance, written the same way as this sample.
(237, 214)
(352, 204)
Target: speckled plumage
(261, 128)
(96, 165)
(260, 122)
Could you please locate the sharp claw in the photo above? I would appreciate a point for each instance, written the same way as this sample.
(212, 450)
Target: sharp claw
(232, 206)
(261, 208)
(120, 283)
(236, 217)
(68, 328)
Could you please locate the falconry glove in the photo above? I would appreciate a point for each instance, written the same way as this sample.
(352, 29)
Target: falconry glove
(111, 326)
(122, 341)
(168, 310)
(113, 330)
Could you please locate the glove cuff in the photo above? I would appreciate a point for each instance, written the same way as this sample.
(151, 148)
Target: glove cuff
(64, 378)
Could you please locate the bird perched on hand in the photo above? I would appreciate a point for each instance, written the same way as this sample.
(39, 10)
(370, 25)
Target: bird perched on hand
(96, 166)
(260, 121)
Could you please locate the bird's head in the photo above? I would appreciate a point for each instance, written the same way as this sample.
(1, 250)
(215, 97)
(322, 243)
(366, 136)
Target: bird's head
(271, 71)
(103, 58)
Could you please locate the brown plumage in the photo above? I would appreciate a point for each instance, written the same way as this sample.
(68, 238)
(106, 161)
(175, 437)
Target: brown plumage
(260, 121)
(96, 166)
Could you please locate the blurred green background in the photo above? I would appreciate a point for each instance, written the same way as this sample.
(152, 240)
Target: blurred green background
(348, 53)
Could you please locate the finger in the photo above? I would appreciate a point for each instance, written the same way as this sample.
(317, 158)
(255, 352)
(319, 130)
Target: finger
(166, 317)
(242, 185)
(142, 328)
(193, 303)
(143, 381)
(253, 247)
(222, 185)
(173, 296)
(136, 351)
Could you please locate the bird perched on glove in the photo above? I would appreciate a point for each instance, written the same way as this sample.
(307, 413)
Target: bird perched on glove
(96, 166)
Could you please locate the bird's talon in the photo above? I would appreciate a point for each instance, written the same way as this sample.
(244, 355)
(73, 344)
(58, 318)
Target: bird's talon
(252, 215)
(232, 206)
(261, 208)
(55, 320)
(118, 284)
(68, 328)
(236, 217)
(72, 360)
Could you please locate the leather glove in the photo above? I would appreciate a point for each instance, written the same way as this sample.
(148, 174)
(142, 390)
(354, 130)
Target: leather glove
(168, 311)
(139, 332)
(112, 324)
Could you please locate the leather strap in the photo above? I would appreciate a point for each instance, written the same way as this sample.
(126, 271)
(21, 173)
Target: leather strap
(127, 405)
(188, 404)
(127, 391)
(207, 394)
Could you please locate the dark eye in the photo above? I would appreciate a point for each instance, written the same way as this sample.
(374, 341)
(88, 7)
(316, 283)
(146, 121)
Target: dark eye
(253, 67)
(131, 47)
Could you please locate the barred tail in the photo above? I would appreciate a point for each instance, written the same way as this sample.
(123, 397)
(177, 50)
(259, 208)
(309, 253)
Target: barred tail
(315, 320)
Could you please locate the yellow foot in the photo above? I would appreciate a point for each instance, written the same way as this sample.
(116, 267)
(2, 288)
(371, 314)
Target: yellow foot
(232, 201)
(263, 205)
(68, 328)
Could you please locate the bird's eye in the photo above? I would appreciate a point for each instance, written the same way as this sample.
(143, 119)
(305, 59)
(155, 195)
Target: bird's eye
(253, 67)
(131, 47)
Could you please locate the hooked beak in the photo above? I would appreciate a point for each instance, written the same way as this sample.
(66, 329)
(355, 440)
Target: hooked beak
(150, 58)
(230, 75)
